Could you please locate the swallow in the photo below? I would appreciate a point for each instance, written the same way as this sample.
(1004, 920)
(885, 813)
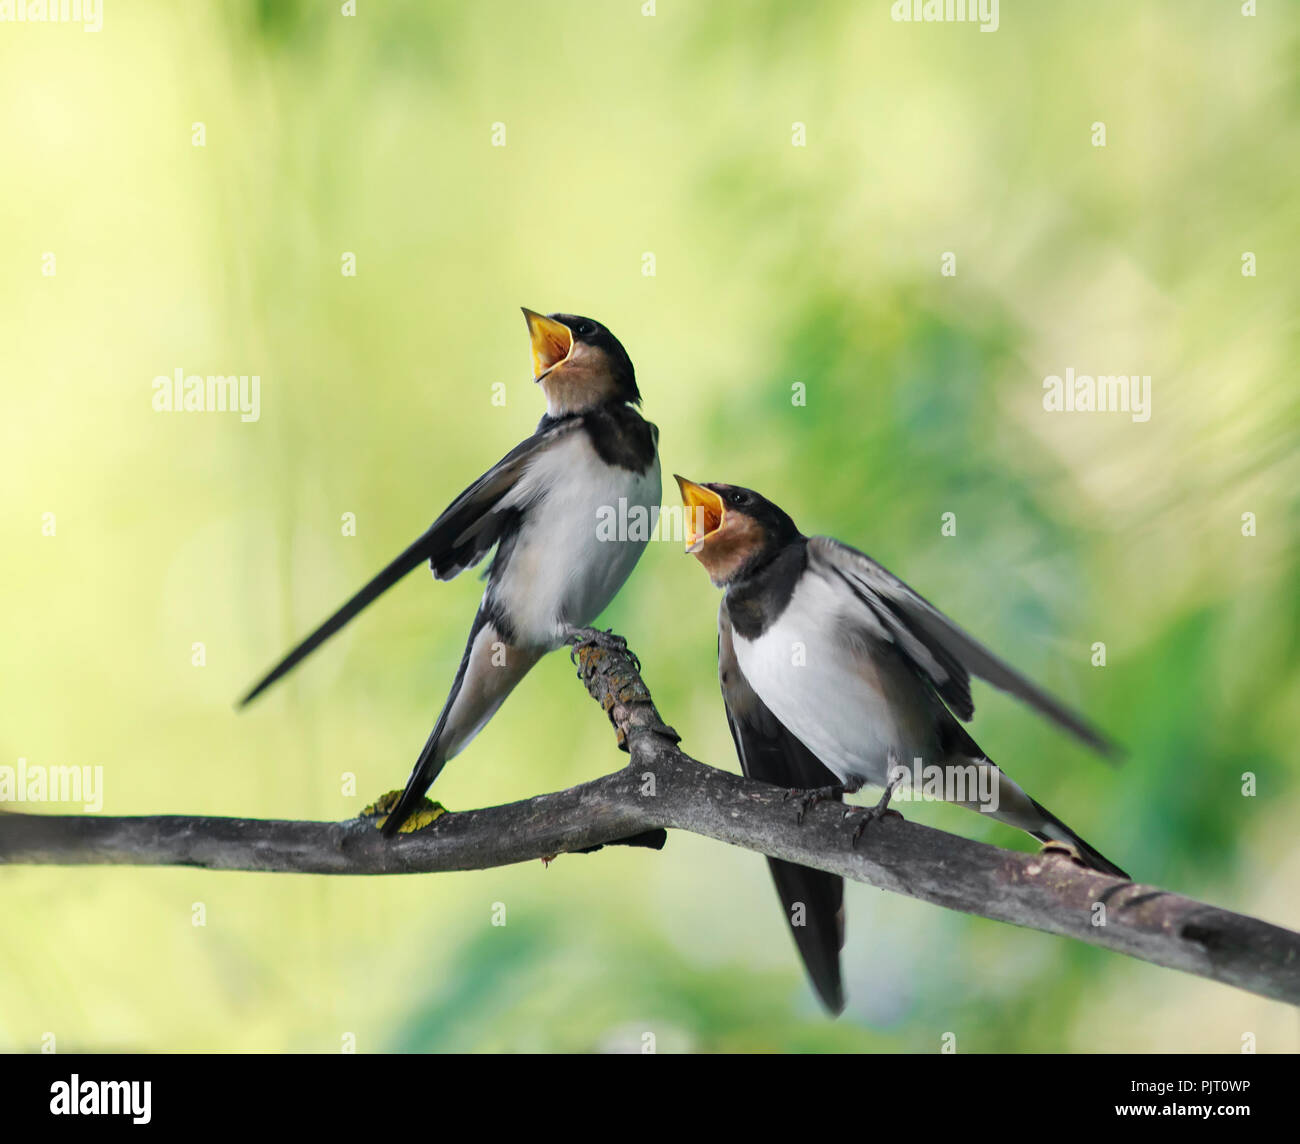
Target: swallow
(554, 570)
(836, 674)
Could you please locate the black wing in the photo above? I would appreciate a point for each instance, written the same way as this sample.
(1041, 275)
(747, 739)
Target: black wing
(457, 540)
(938, 648)
(769, 753)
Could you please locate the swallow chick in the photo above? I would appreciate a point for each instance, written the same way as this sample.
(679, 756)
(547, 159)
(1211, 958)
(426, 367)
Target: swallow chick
(835, 674)
(538, 506)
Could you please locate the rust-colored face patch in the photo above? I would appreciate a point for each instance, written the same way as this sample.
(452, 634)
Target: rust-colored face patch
(582, 380)
(721, 539)
(726, 550)
(574, 375)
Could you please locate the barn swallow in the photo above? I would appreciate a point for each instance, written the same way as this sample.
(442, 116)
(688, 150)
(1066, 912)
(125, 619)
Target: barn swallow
(834, 674)
(553, 570)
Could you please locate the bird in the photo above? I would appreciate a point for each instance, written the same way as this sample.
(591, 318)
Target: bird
(835, 674)
(540, 506)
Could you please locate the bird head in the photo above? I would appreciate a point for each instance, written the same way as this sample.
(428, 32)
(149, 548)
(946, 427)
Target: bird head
(578, 363)
(732, 531)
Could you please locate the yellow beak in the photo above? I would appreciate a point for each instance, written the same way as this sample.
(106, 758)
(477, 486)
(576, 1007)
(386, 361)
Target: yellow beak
(704, 512)
(552, 342)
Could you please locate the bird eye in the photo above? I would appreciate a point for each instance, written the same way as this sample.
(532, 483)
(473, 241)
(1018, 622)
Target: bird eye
(739, 499)
(585, 329)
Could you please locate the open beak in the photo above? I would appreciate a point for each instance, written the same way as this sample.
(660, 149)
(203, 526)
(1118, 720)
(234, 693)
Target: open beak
(704, 512)
(552, 342)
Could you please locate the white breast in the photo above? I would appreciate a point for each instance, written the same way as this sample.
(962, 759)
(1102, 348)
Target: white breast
(836, 686)
(564, 569)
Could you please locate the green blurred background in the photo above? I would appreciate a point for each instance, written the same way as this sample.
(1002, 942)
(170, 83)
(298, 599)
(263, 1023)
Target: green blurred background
(627, 134)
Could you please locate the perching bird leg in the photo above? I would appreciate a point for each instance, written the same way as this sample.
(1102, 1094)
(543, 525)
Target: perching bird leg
(578, 638)
(871, 814)
(810, 798)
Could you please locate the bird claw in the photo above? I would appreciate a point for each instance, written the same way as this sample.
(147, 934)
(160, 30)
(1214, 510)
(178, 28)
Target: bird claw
(810, 798)
(870, 815)
(873, 814)
(605, 640)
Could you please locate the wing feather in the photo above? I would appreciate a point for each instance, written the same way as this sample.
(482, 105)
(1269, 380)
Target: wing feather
(458, 539)
(943, 652)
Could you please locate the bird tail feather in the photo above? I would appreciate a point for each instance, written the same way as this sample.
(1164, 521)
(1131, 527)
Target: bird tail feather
(414, 555)
(494, 667)
(427, 768)
(1017, 809)
(1054, 830)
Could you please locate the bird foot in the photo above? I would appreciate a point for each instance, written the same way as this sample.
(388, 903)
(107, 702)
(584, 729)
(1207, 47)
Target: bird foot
(870, 815)
(874, 814)
(579, 638)
(810, 798)
(419, 818)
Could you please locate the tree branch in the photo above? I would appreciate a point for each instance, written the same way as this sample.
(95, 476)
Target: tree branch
(664, 788)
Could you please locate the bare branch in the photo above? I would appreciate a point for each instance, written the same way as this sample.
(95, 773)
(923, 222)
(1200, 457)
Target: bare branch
(663, 788)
